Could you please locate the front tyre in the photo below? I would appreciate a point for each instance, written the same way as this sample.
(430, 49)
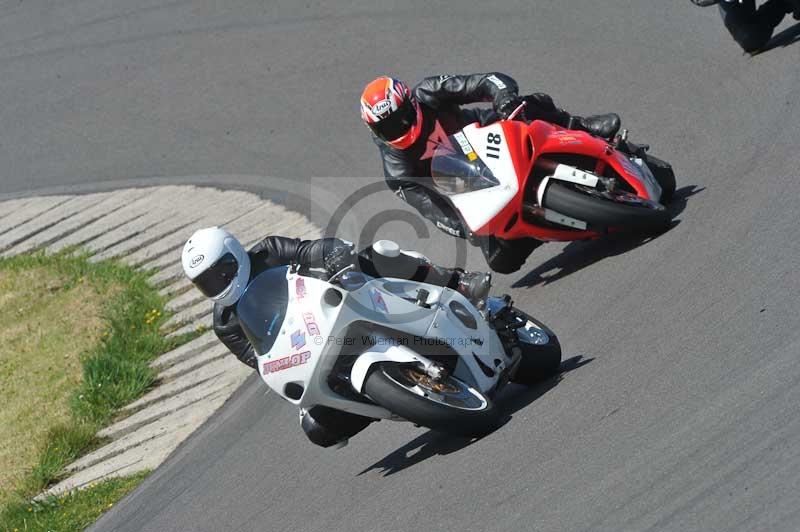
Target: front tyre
(541, 352)
(665, 176)
(614, 210)
(449, 405)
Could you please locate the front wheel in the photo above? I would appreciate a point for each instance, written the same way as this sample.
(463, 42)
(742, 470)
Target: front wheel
(449, 405)
(665, 176)
(541, 352)
(603, 210)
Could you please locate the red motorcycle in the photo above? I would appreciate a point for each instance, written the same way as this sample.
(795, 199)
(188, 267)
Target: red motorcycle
(515, 180)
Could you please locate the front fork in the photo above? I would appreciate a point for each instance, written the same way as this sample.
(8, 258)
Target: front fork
(505, 321)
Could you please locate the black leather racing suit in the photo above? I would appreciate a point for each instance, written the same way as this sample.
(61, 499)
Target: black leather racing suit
(408, 171)
(324, 426)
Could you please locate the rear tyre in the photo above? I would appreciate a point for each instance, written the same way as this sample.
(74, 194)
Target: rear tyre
(665, 176)
(605, 213)
(540, 361)
(451, 406)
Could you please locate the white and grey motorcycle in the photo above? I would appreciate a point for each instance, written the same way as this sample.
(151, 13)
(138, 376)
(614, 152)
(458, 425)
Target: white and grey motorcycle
(394, 349)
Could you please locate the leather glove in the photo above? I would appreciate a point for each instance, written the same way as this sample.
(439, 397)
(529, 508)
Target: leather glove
(506, 104)
(339, 258)
(540, 102)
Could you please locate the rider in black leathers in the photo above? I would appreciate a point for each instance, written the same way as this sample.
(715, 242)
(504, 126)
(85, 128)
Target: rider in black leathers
(436, 102)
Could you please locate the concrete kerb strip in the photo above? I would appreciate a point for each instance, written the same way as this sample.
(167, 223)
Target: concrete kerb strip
(185, 300)
(169, 405)
(167, 424)
(203, 322)
(12, 206)
(189, 365)
(62, 228)
(229, 210)
(46, 220)
(194, 379)
(185, 217)
(137, 208)
(103, 204)
(148, 454)
(194, 375)
(31, 211)
(233, 225)
(162, 205)
(188, 315)
(185, 351)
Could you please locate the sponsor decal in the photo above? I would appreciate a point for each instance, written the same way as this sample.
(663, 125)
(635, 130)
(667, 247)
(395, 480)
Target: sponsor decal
(566, 138)
(448, 230)
(381, 107)
(466, 147)
(445, 77)
(300, 287)
(311, 323)
(437, 141)
(377, 300)
(298, 339)
(497, 82)
(274, 366)
(196, 260)
(472, 156)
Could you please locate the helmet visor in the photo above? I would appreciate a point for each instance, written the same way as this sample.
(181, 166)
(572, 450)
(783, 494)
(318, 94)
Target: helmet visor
(218, 277)
(397, 123)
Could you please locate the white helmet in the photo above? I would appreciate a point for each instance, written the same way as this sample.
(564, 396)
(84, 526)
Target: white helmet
(215, 261)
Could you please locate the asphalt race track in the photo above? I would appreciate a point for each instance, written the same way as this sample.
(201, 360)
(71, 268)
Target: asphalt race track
(678, 405)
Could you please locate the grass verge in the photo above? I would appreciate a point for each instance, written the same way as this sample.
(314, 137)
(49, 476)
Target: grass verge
(72, 512)
(112, 370)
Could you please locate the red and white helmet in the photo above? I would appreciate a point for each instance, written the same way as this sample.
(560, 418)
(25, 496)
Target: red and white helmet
(391, 112)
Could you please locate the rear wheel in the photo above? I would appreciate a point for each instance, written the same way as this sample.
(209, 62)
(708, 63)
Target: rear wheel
(449, 405)
(606, 209)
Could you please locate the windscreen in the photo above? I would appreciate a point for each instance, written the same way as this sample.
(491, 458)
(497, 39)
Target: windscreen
(456, 172)
(262, 308)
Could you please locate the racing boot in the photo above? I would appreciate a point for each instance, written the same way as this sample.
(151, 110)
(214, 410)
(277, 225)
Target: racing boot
(474, 285)
(605, 126)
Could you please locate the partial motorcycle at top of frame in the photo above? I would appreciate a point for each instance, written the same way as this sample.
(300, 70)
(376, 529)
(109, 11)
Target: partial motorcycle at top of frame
(384, 348)
(516, 180)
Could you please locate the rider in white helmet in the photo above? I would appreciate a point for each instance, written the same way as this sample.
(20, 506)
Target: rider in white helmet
(219, 266)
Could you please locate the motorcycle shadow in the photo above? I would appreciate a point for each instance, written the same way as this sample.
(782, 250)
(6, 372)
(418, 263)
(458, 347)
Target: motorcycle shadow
(581, 254)
(432, 443)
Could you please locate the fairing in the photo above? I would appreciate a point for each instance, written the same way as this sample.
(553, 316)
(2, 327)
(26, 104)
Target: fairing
(510, 149)
(304, 348)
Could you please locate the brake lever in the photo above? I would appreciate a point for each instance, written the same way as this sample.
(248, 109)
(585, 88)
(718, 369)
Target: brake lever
(340, 273)
(516, 111)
